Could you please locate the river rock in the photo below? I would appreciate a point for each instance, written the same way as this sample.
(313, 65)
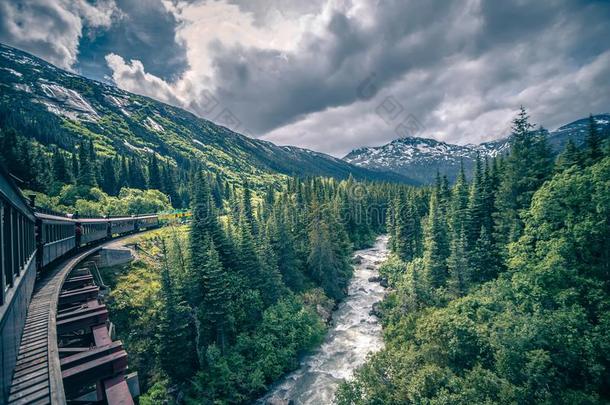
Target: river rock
(358, 259)
(375, 310)
(384, 282)
(374, 279)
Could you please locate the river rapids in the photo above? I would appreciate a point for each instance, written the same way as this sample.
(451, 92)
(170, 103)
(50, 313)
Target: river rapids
(353, 334)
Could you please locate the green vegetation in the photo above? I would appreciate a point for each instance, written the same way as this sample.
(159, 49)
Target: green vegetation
(508, 300)
(216, 311)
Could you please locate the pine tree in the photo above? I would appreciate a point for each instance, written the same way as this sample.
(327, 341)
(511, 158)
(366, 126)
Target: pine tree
(123, 179)
(407, 229)
(527, 166)
(60, 168)
(459, 203)
(75, 168)
(435, 246)
(485, 261)
(326, 261)
(458, 266)
(136, 175)
(593, 143)
(569, 157)
(154, 174)
(169, 186)
(215, 289)
(273, 287)
(175, 347)
(475, 207)
(248, 210)
(249, 263)
(283, 244)
(109, 182)
(86, 174)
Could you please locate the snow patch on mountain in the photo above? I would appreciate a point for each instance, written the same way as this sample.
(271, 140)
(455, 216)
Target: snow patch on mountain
(67, 102)
(12, 71)
(153, 125)
(138, 149)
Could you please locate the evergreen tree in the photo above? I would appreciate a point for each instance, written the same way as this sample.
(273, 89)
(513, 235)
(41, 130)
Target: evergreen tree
(475, 207)
(458, 266)
(86, 174)
(283, 244)
(109, 182)
(75, 168)
(175, 347)
(154, 174)
(485, 261)
(136, 175)
(593, 143)
(123, 179)
(407, 229)
(215, 304)
(569, 157)
(326, 262)
(60, 168)
(247, 207)
(458, 210)
(435, 247)
(169, 186)
(527, 166)
(273, 287)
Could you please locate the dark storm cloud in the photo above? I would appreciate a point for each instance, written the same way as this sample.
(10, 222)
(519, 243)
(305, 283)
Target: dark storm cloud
(52, 29)
(406, 37)
(146, 32)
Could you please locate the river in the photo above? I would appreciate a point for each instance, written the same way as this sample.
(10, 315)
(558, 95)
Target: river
(352, 336)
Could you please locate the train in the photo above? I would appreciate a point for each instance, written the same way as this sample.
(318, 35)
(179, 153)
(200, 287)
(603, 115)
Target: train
(58, 235)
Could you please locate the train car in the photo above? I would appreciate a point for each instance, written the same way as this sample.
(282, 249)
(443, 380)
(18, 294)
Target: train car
(122, 225)
(147, 222)
(93, 229)
(56, 236)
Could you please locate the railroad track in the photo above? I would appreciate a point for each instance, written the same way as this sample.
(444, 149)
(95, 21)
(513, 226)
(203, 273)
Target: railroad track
(66, 353)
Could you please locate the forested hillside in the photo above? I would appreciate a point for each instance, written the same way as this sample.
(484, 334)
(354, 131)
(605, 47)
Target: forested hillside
(51, 119)
(500, 285)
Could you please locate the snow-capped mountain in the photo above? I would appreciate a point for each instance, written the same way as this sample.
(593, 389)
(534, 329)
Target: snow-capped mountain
(420, 158)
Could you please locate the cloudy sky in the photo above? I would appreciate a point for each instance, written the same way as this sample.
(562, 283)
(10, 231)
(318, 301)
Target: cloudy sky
(332, 75)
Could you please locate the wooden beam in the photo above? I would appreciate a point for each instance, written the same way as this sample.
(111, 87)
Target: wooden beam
(101, 335)
(117, 391)
(83, 321)
(93, 371)
(78, 295)
(78, 281)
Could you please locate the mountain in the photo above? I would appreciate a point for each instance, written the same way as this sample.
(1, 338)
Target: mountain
(420, 158)
(59, 109)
